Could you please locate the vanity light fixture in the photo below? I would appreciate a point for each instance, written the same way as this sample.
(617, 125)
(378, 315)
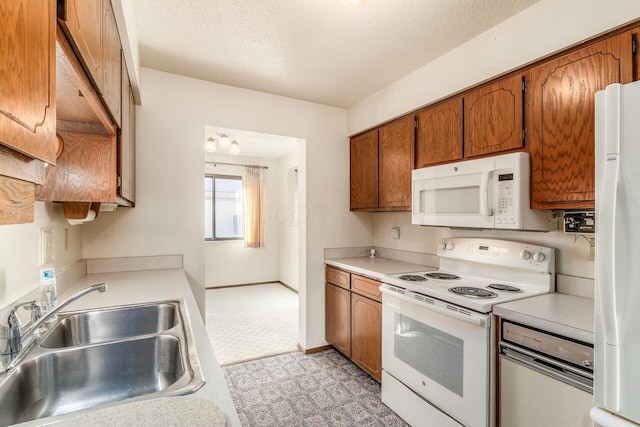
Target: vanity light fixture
(224, 142)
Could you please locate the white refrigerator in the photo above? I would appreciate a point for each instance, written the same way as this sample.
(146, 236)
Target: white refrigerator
(617, 284)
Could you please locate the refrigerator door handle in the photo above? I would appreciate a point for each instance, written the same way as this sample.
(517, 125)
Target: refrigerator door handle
(606, 269)
(606, 273)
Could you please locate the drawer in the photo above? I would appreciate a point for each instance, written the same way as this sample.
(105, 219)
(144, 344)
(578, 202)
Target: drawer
(366, 287)
(338, 277)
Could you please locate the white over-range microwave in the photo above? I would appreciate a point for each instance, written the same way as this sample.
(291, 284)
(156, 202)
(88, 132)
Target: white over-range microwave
(491, 192)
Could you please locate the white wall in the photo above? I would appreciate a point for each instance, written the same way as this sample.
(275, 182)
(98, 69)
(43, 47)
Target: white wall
(168, 217)
(229, 262)
(571, 253)
(544, 28)
(20, 250)
(287, 220)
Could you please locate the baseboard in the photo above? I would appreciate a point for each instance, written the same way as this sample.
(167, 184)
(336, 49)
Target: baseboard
(288, 287)
(252, 284)
(313, 350)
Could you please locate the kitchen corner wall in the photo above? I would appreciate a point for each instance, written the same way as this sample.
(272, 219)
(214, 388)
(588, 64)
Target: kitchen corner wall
(168, 217)
(571, 253)
(20, 250)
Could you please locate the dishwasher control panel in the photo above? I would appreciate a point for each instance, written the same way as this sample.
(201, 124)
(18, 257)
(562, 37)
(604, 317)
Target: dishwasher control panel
(563, 349)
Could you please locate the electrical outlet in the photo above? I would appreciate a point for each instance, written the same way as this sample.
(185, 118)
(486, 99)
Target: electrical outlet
(46, 245)
(395, 233)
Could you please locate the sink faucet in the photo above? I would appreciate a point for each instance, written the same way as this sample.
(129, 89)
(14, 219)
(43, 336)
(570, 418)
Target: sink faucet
(13, 330)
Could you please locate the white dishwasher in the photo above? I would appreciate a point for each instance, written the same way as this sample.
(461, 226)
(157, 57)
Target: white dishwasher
(545, 379)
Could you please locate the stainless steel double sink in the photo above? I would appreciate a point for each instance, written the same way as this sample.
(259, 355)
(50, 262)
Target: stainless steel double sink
(92, 358)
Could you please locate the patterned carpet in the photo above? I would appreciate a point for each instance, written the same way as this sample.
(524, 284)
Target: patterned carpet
(250, 322)
(320, 389)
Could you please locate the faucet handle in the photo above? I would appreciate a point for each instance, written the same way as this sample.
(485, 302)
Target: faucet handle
(36, 311)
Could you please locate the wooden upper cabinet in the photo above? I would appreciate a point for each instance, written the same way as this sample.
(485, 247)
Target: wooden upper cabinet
(364, 170)
(396, 151)
(86, 170)
(112, 72)
(561, 114)
(439, 133)
(84, 22)
(27, 85)
(493, 118)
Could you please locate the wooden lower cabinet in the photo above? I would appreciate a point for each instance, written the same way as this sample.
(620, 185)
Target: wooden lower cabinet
(366, 334)
(353, 318)
(338, 318)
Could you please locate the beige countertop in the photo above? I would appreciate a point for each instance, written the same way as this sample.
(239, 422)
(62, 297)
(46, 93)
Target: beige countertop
(149, 286)
(567, 315)
(376, 268)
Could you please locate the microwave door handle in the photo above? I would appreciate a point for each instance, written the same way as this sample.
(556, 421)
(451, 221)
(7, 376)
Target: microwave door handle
(484, 194)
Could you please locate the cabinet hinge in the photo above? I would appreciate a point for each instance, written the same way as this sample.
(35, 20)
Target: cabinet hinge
(415, 123)
(119, 181)
(524, 85)
(524, 134)
(634, 46)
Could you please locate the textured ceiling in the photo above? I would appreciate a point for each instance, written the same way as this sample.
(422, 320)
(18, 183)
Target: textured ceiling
(316, 50)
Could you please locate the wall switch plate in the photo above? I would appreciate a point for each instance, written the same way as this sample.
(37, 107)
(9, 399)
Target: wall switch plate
(395, 233)
(46, 245)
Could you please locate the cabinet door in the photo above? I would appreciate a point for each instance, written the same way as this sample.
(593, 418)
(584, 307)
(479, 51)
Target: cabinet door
(126, 147)
(27, 85)
(86, 170)
(84, 20)
(493, 118)
(337, 318)
(396, 151)
(364, 170)
(338, 277)
(366, 334)
(112, 72)
(439, 133)
(562, 116)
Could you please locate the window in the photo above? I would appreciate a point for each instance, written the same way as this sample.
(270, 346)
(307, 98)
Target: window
(223, 207)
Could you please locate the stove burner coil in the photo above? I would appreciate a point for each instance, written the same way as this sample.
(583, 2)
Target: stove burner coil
(469, 291)
(442, 276)
(412, 278)
(504, 288)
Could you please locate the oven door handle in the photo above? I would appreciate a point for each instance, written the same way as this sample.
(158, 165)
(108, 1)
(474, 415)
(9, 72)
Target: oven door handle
(450, 310)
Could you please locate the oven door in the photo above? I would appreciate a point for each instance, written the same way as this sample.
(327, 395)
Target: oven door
(441, 352)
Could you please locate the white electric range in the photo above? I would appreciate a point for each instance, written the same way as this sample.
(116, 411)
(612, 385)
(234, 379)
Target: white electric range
(437, 334)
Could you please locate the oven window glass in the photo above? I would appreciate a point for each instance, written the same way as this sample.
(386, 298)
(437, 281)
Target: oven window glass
(456, 200)
(430, 351)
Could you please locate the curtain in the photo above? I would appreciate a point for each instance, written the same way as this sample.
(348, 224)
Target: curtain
(253, 204)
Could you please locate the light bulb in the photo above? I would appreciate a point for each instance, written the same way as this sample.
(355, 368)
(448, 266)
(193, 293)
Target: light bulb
(224, 140)
(234, 148)
(210, 145)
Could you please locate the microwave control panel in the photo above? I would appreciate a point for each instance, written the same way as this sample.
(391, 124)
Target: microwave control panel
(505, 215)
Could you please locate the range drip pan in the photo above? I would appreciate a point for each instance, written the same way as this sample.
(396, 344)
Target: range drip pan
(504, 288)
(442, 276)
(412, 278)
(470, 291)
